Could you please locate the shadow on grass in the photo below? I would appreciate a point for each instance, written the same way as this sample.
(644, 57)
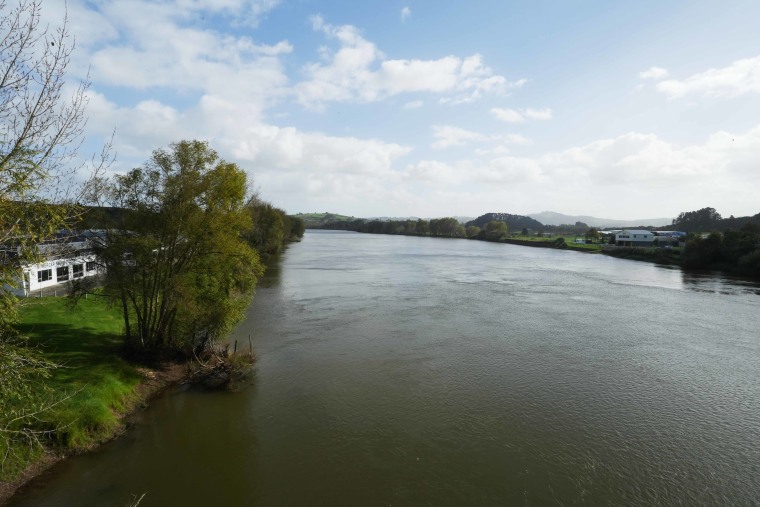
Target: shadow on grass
(87, 355)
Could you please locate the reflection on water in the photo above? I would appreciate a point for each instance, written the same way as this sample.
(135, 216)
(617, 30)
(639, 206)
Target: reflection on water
(720, 283)
(421, 371)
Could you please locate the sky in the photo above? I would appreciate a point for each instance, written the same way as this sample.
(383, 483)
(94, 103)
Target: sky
(427, 108)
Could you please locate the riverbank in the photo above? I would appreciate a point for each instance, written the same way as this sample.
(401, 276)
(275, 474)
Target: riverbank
(98, 392)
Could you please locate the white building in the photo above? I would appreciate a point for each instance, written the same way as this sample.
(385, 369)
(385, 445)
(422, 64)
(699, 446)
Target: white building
(62, 260)
(634, 237)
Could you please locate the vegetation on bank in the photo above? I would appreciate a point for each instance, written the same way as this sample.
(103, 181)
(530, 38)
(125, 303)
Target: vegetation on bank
(726, 248)
(78, 403)
(187, 246)
(316, 220)
(182, 252)
(737, 251)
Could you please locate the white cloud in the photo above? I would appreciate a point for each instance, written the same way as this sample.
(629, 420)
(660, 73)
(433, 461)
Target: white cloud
(414, 104)
(515, 116)
(517, 139)
(405, 13)
(507, 115)
(655, 73)
(498, 170)
(739, 78)
(359, 71)
(279, 155)
(447, 136)
(538, 114)
(635, 160)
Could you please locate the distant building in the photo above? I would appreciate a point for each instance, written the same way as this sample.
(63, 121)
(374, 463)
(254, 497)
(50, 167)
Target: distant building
(671, 234)
(669, 238)
(634, 237)
(67, 257)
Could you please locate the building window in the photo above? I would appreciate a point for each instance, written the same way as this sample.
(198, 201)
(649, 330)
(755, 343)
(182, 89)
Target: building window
(90, 266)
(62, 274)
(43, 275)
(78, 270)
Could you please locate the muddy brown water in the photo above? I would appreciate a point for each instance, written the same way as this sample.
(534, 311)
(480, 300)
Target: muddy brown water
(422, 371)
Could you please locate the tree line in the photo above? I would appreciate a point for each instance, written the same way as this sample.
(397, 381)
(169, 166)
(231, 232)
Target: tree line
(736, 251)
(708, 219)
(447, 227)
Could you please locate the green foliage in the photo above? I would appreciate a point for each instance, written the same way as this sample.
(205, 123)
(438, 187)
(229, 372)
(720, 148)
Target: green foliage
(514, 222)
(75, 405)
(446, 227)
(40, 131)
(496, 231)
(318, 220)
(24, 398)
(472, 231)
(177, 261)
(559, 243)
(703, 253)
(704, 219)
(271, 228)
(737, 251)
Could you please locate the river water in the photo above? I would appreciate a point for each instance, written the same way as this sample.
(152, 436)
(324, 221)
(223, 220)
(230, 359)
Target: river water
(421, 371)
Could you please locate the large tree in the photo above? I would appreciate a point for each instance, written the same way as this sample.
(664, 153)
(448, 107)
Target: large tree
(496, 230)
(40, 132)
(177, 261)
(702, 220)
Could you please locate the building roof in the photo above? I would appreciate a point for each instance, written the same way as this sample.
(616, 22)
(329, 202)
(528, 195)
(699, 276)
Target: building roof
(635, 231)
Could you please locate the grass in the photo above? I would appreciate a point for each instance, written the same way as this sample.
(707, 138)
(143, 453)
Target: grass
(569, 242)
(99, 384)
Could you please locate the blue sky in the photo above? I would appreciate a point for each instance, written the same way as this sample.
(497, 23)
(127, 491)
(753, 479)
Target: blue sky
(396, 108)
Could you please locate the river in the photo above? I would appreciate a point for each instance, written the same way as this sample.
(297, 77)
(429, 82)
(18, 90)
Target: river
(421, 371)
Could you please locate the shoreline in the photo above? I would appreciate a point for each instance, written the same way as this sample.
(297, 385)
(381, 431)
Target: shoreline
(155, 382)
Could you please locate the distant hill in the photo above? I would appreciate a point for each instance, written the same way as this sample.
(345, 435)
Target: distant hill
(514, 222)
(554, 218)
(317, 219)
(391, 219)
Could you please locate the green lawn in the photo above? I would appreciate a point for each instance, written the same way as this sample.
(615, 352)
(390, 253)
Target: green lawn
(86, 342)
(569, 242)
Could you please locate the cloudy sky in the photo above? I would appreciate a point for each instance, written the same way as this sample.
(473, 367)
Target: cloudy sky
(616, 109)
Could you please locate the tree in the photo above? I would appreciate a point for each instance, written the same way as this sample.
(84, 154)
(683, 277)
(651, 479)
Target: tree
(496, 230)
(177, 261)
(423, 227)
(704, 219)
(40, 133)
(446, 227)
(270, 229)
(472, 231)
(592, 234)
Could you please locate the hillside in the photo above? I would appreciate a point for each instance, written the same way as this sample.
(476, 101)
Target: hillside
(554, 218)
(312, 220)
(514, 222)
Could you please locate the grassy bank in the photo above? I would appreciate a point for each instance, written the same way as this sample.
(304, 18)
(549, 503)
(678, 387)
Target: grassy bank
(648, 254)
(544, 242)
(96, 386)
